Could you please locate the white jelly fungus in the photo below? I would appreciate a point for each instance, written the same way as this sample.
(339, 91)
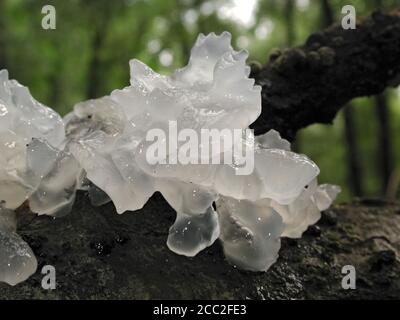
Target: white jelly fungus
(102, 147)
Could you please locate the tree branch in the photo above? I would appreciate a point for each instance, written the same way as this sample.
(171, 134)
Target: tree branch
(309, 84)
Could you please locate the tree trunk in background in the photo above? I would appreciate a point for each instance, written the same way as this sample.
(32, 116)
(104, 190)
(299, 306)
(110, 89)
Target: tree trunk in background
(183, 35)
(55, 82)
(290, 6)
(326, 14)
(354, 171)
(94, 64)
(289, 11)
(384, 148)
(3, 55)
(94, 72)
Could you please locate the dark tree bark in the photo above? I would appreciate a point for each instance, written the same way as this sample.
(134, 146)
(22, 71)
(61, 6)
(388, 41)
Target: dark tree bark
(99, 254)
(309, 84)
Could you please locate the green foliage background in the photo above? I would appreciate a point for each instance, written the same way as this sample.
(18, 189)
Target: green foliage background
(87, 56)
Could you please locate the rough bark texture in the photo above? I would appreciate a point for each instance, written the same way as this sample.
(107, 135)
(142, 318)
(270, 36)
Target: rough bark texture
(100, 254)
(309, 84)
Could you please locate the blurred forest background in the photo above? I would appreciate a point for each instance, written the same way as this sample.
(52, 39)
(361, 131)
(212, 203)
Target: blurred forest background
(87, 57)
